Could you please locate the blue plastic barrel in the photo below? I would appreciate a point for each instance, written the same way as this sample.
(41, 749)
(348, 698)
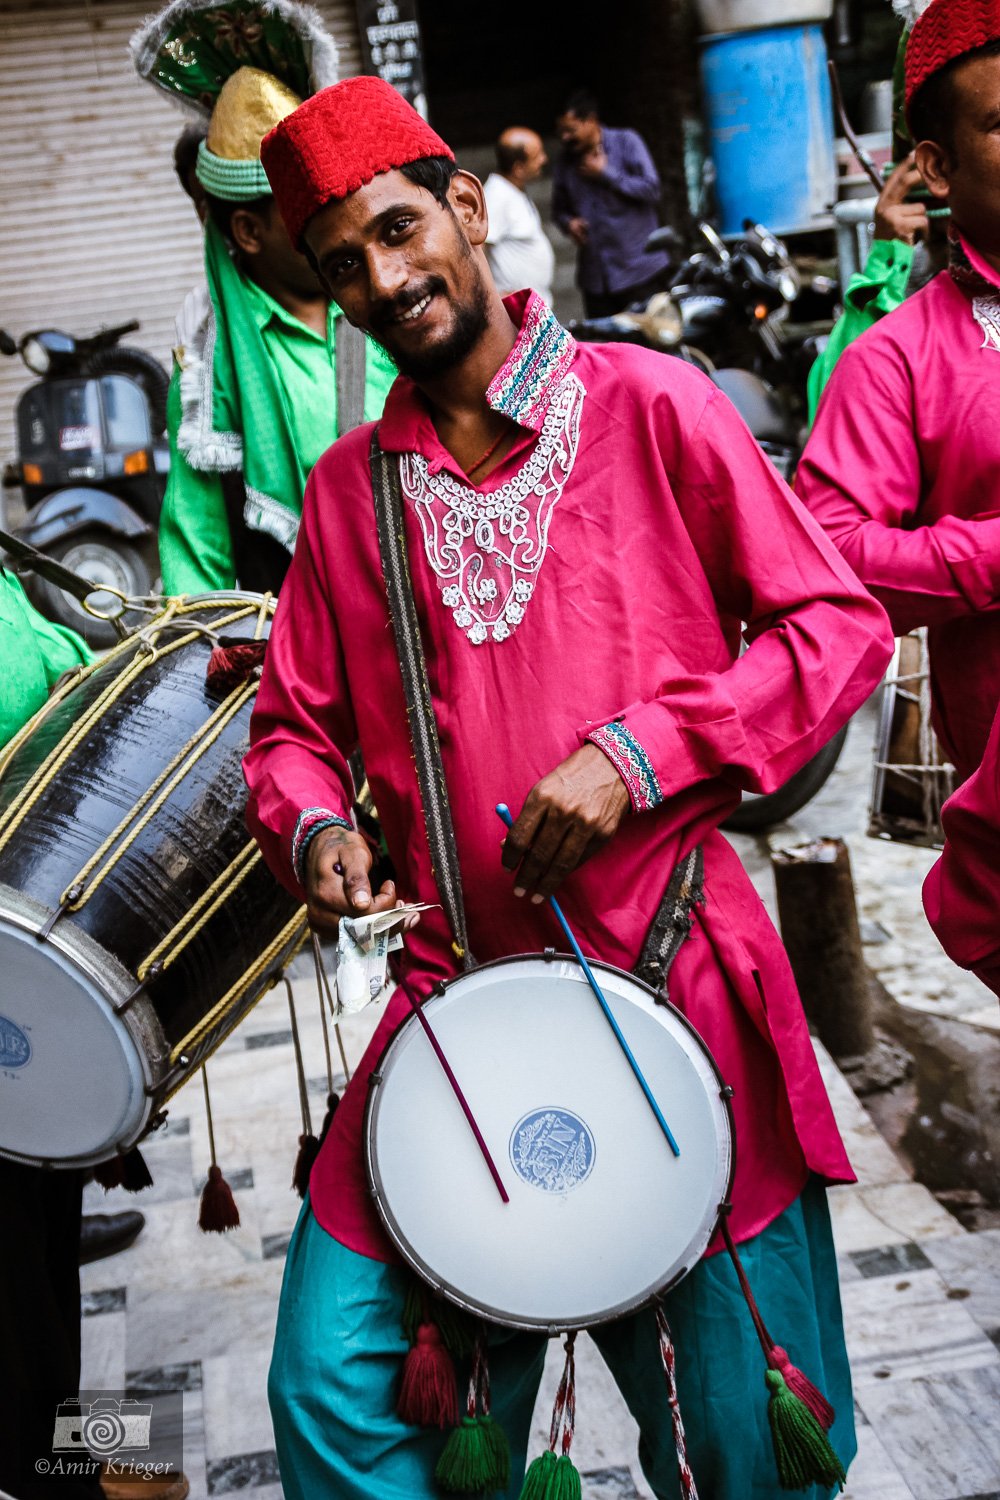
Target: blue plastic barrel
(770, 124)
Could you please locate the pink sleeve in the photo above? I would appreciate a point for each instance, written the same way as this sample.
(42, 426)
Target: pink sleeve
(302, 729)
(962, 891)
(819, 642)
(861, 477)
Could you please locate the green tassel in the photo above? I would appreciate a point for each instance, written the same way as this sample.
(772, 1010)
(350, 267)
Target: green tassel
(468, 1463)
(551, 1478)
(802, 1449)
(496, 1441)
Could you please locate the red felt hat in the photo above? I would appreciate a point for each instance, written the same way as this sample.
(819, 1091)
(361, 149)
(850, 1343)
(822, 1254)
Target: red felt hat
(947, 29)
(337, 141)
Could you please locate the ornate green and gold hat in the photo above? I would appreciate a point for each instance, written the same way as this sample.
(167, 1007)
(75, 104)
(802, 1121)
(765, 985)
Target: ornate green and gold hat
(242, 65)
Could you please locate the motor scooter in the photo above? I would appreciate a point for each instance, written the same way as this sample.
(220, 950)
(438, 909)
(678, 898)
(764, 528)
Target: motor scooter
(92, 465)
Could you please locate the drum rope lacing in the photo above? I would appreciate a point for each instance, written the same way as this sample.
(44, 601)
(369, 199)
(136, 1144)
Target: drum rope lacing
(202, 911)
(689, 1490)
(933, 775)
(148, 653)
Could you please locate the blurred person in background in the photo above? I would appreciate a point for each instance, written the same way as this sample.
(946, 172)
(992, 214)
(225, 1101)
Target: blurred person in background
(518, 249)
(605, 193)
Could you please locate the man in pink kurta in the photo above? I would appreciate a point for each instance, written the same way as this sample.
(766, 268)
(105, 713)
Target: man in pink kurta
(903, 465)
(581, 606)
(962, 891)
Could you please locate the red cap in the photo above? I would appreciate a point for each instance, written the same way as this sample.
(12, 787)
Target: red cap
(946, 30)
(337, 141)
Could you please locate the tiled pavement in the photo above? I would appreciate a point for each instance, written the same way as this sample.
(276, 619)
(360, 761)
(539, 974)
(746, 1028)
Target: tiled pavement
(921, 1295)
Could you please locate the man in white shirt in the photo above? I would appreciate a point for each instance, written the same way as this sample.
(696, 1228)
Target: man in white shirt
(519, 251)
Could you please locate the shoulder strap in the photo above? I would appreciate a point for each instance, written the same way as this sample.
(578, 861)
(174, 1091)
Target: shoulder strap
(349, 351)
(417, 693)
(672, 922)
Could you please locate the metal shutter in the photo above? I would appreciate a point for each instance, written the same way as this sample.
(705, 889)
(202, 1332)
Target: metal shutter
(95, 228)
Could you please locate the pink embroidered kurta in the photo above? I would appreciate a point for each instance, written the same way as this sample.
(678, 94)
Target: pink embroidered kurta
(962, 891)
(903, 471)
(593, 587)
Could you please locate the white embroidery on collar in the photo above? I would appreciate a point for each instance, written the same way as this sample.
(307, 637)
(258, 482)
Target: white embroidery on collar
(986, 311)
(486, 549)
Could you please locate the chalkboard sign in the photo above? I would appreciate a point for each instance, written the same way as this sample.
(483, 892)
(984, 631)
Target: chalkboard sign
(391, 47)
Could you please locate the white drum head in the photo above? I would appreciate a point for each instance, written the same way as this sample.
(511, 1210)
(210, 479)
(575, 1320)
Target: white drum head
(72, 1084)
(602, 1215)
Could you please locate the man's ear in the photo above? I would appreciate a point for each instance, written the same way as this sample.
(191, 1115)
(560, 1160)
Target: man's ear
(935, 166)
(246, 231)
(468, 204)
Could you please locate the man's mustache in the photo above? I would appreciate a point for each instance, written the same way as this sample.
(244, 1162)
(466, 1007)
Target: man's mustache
(386, 313)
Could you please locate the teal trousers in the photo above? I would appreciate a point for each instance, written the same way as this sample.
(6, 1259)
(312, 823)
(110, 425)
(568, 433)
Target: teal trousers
(339, 1350)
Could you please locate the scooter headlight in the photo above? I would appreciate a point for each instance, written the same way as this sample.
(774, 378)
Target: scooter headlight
(36, 356)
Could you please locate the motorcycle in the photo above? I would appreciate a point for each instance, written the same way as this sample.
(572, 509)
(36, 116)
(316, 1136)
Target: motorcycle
(732, 312)
(92, 466)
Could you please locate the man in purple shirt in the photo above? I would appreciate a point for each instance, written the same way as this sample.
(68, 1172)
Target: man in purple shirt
(604, 196)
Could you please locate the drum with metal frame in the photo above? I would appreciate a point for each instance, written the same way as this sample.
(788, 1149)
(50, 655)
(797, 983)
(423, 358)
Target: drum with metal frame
(138, 922)
(602, 1215)
(912, 779)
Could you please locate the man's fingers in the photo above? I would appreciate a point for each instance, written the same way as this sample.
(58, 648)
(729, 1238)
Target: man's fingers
(901, 179)
(544, 848)
(521, 836)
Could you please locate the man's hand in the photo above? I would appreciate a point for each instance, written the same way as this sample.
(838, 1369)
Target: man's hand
(593, 162)
(894, 218)
(567, 816)
(337, 864)
(578, 230)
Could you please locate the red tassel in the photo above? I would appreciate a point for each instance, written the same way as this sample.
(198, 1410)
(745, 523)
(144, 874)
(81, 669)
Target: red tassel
(800, 1385)
(135, 1173)
(308, 1152)
(230, 666)
(428, 1396)
(218, 1206)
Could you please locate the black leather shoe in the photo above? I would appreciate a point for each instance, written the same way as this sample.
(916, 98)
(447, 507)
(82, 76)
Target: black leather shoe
(106, 1234)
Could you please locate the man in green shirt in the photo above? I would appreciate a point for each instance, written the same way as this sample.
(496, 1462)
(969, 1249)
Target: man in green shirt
(268, 372)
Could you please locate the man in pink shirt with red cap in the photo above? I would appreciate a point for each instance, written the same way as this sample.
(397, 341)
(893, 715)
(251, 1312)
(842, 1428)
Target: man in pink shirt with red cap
(903, 465)
(584, 532)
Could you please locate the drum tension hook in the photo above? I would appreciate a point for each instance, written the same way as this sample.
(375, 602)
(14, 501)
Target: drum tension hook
(727, 1091)
(45, 930)
(549, 955)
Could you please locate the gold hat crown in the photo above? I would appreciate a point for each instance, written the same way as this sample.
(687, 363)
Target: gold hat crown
(250, 104)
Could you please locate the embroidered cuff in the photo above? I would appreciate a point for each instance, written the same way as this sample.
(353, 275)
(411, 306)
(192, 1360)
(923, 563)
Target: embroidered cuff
(631, 762)
(311, 822)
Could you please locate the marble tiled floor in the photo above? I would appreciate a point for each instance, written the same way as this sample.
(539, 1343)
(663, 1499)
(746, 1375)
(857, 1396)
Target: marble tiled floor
(183, 1309)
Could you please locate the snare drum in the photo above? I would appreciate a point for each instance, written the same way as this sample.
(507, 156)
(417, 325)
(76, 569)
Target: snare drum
(912, 779)
(138, 922)
(602, 1215)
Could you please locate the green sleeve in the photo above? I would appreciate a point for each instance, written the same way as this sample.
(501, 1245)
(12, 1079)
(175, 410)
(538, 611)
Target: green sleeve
(34, 653)
(879, 289)
(196, 547)
(380, 372)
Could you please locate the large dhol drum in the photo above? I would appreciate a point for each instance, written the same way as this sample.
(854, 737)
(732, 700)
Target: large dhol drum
(912, 778)
(602, 1215)
(138, 922)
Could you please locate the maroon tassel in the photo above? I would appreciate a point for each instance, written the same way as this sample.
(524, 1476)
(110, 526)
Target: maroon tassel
(110, 1174)
(230, 666)
(218, 1210)
(428, 1395)
(308, 1152)
(332, 1100)
(128, 1171)
(800, 1385)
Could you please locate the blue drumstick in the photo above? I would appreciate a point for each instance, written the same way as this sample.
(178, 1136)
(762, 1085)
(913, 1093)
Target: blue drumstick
(504, 814)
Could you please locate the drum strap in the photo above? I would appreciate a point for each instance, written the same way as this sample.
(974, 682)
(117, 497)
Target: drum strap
(388, 495)
(672, 922)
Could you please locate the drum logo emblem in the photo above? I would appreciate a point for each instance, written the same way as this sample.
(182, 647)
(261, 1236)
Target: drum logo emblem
(552, 1149)
(15, 1049)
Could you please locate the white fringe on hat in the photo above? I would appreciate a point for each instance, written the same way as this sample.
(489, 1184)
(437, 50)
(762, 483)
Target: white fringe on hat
(909, 10)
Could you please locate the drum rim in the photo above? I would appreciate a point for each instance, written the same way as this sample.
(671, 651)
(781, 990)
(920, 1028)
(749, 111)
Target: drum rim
(425, 1272)
(102, 969)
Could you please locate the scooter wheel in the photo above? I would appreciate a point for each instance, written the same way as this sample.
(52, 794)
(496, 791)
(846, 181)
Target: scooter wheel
(104, 559)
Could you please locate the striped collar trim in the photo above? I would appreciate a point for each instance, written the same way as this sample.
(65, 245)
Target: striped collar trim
(543, 351)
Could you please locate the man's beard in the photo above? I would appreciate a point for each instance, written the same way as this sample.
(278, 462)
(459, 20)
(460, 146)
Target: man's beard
(471, 321)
